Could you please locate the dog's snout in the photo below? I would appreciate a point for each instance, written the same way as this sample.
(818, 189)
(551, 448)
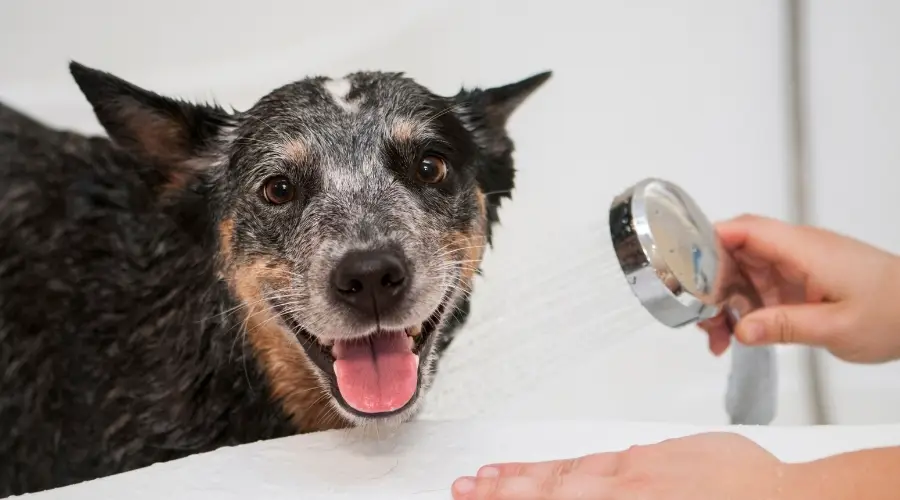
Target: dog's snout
(372, 282)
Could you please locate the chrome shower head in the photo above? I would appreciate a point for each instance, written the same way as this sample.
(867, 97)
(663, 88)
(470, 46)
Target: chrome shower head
(672, 257)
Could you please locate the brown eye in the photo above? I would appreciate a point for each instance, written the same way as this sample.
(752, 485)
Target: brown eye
(278, 190)
(431, 170)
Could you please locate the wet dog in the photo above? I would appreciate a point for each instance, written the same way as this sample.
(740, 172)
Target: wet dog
(205, 277)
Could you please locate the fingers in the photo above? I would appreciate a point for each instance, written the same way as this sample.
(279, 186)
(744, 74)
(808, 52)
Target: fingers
(719, 341)
(598, 464)
(763, 242)
(815, 324)
(809, 324)
(770, 241)
(718, 333)
(583, 477)
(564, 487)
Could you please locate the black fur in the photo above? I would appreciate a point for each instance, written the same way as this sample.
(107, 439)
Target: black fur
(119, 346)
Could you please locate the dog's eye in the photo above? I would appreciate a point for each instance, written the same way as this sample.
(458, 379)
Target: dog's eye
(431, 170)
(278, 190)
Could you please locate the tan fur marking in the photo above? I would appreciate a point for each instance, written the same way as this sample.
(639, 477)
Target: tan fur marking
(403, 130)
(470, 245)
(226, 233)
(163, 141)
(291, 379)
(482, 206)
(295, 151)
(157, 136)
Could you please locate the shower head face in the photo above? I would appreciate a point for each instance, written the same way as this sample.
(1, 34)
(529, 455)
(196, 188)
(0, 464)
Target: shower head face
(668, 250)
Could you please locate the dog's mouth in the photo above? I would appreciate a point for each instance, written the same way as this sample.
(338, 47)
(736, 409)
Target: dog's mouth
(376, 375)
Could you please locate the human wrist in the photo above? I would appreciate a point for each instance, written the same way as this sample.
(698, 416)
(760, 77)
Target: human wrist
(870, 474)
(828, 478)
(802, 481)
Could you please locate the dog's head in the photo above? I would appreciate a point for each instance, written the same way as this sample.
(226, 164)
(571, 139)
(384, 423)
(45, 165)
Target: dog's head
(351, 215)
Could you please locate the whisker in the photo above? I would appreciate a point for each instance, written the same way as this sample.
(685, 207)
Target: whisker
(499, 191)
(448, 109)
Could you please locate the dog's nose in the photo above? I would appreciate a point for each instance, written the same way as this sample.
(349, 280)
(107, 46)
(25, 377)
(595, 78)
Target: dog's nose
(372, 282)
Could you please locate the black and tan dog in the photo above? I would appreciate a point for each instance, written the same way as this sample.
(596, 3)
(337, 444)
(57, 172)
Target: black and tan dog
(207, 277)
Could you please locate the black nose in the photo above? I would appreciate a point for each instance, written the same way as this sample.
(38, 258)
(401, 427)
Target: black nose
(372, 282)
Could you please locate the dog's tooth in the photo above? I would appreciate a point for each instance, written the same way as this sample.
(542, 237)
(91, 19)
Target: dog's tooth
(412, 332)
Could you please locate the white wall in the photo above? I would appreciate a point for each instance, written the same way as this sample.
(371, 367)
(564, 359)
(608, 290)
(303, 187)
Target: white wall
(854, 147)
(691, 90)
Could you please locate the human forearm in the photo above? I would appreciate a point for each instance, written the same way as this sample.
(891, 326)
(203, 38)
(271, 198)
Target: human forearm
(869, 474)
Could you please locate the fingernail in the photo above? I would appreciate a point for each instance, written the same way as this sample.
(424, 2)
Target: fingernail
(464, 485)
(488, 472)
(754, 332)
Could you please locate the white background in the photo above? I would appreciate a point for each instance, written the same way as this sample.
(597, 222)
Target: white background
(694, 91)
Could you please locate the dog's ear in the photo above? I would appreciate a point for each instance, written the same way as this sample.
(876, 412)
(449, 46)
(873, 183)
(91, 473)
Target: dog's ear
(485, 112)
(494, 106)
(175, 136)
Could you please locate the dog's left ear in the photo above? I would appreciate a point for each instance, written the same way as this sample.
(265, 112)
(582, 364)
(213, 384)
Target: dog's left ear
(493, 107)
(485, 114)
(176, 137)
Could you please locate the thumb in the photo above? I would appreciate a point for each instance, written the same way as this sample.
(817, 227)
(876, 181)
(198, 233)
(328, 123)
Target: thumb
(809, 324)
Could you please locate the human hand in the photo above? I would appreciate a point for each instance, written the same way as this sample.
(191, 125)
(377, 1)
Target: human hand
(819, 288)
(704, 466)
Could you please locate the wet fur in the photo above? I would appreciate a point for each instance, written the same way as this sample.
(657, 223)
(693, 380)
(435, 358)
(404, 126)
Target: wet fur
(134, 269)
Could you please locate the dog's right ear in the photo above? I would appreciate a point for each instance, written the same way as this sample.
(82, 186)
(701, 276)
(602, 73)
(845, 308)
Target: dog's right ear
(175, 136)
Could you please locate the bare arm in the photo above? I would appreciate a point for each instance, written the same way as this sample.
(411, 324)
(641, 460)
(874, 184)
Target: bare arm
(868, 474)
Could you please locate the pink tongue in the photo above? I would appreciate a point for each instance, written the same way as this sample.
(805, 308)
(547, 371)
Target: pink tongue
(377, 374)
